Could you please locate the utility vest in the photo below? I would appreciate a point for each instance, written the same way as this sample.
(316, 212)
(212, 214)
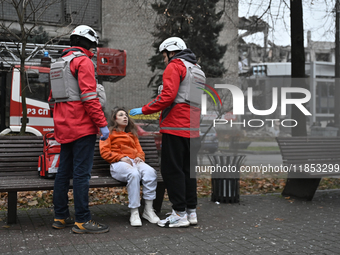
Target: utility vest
(64, 85)
(189, 92)
(191, 88)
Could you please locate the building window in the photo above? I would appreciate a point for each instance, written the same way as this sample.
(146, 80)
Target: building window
(57, 12)
(325, 97)
(324, 57)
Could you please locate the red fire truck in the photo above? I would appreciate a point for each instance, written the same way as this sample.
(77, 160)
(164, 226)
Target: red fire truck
(110, 66)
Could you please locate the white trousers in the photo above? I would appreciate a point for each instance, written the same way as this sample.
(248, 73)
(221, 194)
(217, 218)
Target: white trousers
(133, 175)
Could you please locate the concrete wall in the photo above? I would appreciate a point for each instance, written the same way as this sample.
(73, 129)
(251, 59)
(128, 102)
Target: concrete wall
(128, 25)
(229, 35)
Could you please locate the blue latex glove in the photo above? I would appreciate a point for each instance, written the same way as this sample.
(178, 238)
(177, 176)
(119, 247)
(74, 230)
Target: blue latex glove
(105, 133)
(136, 111)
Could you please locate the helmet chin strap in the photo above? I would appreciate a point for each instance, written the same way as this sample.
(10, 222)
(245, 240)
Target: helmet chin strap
(168, 54)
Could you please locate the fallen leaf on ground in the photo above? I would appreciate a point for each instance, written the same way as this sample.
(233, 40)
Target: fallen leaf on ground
(31, 203)
(118, 195)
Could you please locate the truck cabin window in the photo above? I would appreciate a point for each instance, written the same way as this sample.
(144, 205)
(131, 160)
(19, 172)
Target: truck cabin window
(38, 87)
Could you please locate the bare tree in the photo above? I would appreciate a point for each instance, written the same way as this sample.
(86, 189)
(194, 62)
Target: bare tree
(298, 62)
(274, 10)
(28, 14)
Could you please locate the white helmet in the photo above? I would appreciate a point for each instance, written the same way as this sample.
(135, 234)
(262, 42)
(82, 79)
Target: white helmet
(172, 44)
(87, 32)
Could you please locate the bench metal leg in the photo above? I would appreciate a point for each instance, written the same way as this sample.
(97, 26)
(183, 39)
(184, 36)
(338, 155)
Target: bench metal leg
(157, 203)
(12, 207)
(301, 188)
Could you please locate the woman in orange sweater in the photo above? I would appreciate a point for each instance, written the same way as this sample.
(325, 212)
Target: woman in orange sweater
(123, 151)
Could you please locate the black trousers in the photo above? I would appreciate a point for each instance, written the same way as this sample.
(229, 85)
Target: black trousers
(178, 160)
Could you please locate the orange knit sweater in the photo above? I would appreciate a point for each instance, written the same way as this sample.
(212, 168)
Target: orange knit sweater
(119, 145)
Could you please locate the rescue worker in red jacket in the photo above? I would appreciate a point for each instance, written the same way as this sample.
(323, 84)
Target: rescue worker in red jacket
(179, 125)
(78, 116)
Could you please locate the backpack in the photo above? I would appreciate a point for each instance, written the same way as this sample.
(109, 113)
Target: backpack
(191, 88)
(101, 95)
(49, 161)
(64, 85)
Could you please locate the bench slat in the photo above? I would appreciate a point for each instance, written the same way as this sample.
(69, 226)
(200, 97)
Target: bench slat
(315, 160)
(20, 138)
(310, 146)
(22, 154)
(47, 184)
(28, 145)
(309, 156)
(310, 150)
(19, 163)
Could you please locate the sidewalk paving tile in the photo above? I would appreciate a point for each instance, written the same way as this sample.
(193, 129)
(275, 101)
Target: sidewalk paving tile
(259, 224)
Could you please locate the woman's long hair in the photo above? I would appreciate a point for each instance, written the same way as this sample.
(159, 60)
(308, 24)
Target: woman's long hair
(131, 127)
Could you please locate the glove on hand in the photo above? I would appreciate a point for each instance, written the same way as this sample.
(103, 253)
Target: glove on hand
(136, 111)
(105, 133)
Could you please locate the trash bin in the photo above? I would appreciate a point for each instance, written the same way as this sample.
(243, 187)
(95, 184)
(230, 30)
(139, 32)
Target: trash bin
(225, 184)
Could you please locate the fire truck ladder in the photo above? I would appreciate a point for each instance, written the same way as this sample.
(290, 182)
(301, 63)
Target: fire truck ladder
(10, 52)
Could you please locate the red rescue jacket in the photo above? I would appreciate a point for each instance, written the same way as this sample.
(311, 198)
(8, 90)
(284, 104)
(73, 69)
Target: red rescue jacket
(176, 119)
(76, 119)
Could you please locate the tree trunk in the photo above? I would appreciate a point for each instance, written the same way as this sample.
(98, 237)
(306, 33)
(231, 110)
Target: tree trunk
(23, 90)
(298, 63)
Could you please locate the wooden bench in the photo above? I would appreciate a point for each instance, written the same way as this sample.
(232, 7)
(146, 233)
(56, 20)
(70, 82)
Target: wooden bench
(309, 159)
(19, 169)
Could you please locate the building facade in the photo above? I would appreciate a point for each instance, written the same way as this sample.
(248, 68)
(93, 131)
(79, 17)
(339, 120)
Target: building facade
(126, 25)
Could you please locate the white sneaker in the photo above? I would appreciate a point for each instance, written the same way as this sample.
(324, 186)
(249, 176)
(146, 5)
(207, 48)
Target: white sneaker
(192, 218)
(135, 220)
(174, 221)
(150, 216)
